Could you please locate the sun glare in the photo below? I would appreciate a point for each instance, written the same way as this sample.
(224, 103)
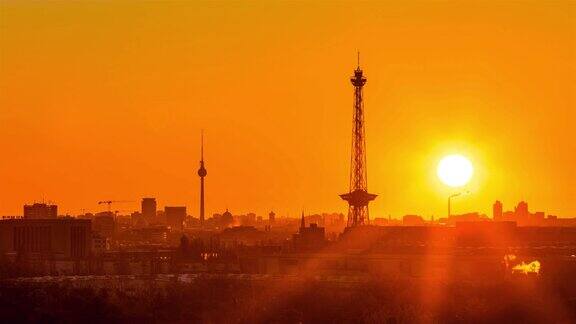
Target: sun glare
(455, 170)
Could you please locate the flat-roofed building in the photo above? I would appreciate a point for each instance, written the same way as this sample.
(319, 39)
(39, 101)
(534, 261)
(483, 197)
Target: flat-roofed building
(104, 224)
(175, 216)
(40, 211)
(55, 238)
(149, 210)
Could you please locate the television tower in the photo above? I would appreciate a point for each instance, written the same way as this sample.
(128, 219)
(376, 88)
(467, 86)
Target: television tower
(202, 173)
(358, 196)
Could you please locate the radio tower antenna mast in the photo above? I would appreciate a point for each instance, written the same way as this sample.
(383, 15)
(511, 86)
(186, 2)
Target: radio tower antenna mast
(358, 196)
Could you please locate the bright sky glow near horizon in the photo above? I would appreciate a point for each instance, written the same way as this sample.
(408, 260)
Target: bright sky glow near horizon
(105, 100)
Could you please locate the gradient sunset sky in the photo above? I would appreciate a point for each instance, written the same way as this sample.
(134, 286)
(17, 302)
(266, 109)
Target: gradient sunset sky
(106, 99)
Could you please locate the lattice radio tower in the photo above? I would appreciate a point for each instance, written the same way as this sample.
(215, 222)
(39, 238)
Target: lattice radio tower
(358, 196)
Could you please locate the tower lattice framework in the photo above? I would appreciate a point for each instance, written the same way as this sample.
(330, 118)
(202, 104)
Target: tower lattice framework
(358, 196)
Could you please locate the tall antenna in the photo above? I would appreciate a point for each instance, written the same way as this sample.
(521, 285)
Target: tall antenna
(202, 145)
(358, 196)
(202, 173)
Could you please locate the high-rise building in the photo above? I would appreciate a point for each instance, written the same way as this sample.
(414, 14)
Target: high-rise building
(40, 211)
(149, 209)
(271, 217)
(357, 195)
(497, 210)
(521, 209)
(175, 216)
(202, 174)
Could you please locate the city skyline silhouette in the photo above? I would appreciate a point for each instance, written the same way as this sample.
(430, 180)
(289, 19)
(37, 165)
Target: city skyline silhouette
(288, 161)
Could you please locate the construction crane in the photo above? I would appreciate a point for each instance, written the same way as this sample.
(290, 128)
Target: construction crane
(110, 202)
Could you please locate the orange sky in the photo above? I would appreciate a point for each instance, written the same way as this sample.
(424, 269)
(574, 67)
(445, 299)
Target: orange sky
(105, 100)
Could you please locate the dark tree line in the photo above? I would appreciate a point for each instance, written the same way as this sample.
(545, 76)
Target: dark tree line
(282, 301)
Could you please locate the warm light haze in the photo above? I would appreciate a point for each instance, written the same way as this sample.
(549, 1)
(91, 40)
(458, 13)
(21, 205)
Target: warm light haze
(105, 100)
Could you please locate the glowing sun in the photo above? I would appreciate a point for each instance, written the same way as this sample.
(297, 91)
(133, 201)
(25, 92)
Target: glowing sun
(455, 170)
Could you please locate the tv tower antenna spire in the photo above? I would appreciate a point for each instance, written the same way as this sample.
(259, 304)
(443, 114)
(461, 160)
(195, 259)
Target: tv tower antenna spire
(202, 173)
(358, 196)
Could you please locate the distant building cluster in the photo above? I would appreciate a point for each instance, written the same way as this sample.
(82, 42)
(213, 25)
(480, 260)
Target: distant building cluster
(49, 243)
(523, 217)
(106, 242)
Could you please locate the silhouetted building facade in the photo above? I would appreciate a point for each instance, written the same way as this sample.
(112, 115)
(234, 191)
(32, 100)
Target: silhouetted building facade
(175, 217)
(226, 220)
(412, 220)
(40, 211)
(137, 220)
(152, 234)
(309, 238)
(49, 238)
(271, 217)
(497, 210)
(248, 219)
(522, 216)
(521, 209)
(103, 223)
(149, 209)
(240, 236)
(467, 217)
